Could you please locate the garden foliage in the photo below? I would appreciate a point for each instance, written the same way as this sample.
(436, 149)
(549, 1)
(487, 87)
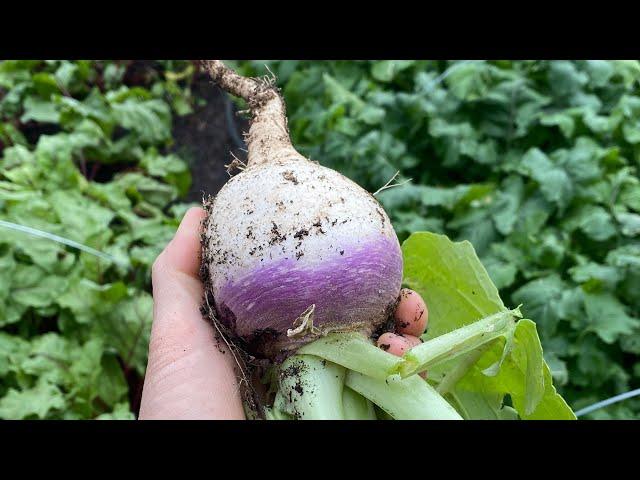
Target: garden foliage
(534, 162)
(84, 157)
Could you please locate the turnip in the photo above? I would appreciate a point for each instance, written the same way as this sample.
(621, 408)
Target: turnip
(302, 266)
(294, 249)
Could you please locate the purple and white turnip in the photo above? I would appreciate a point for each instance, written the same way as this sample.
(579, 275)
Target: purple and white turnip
(287, 236)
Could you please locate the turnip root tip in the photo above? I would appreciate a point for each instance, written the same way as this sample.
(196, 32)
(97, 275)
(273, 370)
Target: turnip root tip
(268, 137)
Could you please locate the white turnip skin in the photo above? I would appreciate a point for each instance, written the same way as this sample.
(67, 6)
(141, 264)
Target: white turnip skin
(287, 234)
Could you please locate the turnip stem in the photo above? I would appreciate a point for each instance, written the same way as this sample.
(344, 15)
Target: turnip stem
(355, 352)
(452, 377)
(408, 399)
(268, 139)
(272, 413)
(357, 407)
(310, 388)
(458, 342)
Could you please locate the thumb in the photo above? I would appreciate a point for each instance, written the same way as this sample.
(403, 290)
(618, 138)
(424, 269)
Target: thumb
(189, 376)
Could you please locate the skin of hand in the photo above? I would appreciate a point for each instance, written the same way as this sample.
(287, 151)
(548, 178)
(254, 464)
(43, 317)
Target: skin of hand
(188, 375)
(411, 317)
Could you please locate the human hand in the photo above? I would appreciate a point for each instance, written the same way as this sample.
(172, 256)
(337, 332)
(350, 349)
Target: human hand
(188, 375)
(411, 317)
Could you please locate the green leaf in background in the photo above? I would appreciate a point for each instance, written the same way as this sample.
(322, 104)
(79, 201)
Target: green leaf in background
(554, 182)
(170, 168)
(36, 402)
(31, 286)
(386, 70)
(149, 119)
(120, 412)
(39, 111)
(608, 317)
(127, 328)
(85, 158)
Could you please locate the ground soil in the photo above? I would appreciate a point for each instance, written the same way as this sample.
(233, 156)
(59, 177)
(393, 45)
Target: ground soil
(208, 137)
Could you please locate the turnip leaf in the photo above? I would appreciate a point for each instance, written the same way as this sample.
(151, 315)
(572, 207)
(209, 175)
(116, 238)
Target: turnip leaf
(459, 292)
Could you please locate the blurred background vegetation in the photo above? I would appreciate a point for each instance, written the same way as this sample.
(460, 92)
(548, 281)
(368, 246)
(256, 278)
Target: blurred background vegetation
(535, 162)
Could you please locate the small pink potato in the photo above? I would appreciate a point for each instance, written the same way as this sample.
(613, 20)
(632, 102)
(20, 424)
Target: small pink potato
(411, 314)
(397, 345)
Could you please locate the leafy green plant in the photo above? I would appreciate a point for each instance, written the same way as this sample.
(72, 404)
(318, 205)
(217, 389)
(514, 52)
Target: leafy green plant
(534, 162)
(483, 358)
(85, 159)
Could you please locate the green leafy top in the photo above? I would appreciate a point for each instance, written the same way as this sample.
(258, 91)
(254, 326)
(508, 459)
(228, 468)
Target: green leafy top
(459, 292)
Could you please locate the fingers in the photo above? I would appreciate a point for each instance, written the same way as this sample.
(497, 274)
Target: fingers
(188, 374)
(397, 344)
(411, 317)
